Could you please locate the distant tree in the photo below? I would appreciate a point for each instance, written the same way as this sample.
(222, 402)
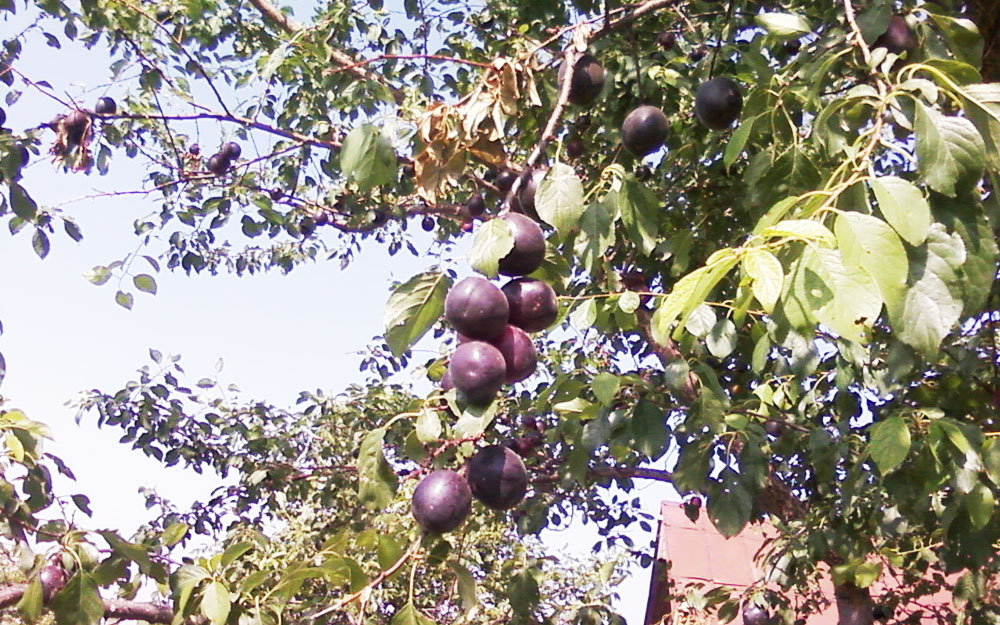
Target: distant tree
(770, 228)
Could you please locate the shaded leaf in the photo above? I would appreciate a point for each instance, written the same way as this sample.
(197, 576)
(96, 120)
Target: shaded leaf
(376, 479)
(904, 207)
(492, 242)
(413, 308)
(890, 443)
(559, 198)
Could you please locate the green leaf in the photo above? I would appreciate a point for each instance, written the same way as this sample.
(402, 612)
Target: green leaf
(597, 430)
(597, 234)
(867, 573)
(428, 426)
(629, 302)
(783, 25)
(215, 603)
(389, 551)
(802, 229)
(466, 587)
(174, 534)
(980, 504)
(605, 387)
(981, 103)
(700, 321)
(24, 207)
(30, 605)
(376, 479)
(874, 21)
(729, 505)
(950, 151)
(492, 242)
(559, 199)
(721, 339)
(931, 308)
(584, 315)
(904, 207)
(767, 277)
(413, 308)
(637, 208)
(868, 242)
(145, 282)
(688, 293)
(890, 443)
(649, 429)
(79, 602)
(844, 297)
(734, 148)
(124, 299)
(367, 158)
(234, 552)
(410, 615)
(98, 275)
(40, 243)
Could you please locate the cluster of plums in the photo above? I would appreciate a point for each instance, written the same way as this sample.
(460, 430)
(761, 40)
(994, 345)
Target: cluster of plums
(494, 349)
(220, 162)
(495, 476)
(717, 104)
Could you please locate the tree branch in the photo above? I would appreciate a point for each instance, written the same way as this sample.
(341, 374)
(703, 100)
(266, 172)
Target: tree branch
(286, 24)
(113, 608)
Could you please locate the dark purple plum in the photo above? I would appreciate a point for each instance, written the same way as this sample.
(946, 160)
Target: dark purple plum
(218, 164)
(518, 353)
(446, 383)
(531, 304)
(52, 578)
(575, 148)
(505, 180)
(476, 205)
(232, 150)
(644, 130)
(753, 614)
(3, 117)
(717, 103)
(529, 246)
(194, 149)
(476, 308)
(441, 501)
(897, 38)
(497, 477)
(427, 223)
(478, 371)
(587, 81)
(524, 201)
(105, 106)
(666, 40)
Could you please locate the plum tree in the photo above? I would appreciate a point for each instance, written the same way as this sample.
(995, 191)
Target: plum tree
(497, 477)
(441, 501)
(718, 103)
(528, 251)
(532, 304)
(476, 308)
(478, 371)
(644, 130)
(792, 323)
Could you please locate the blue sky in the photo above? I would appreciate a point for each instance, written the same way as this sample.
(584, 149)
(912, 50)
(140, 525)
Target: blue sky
(63, 335)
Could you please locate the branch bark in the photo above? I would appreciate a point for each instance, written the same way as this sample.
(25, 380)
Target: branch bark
(113, 608)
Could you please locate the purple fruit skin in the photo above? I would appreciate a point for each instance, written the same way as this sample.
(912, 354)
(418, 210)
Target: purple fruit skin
(478, 371)
(446, 382)
(476, 308)
(718, 103)
(218, 164)
(505, 180)
(644, 130)
(476, 205)
(754, 615)
(529, 246)
(497, 477)
(587, 81)
(518, 353)
(532, 304)
(441, 501)
(232, 150)
(524, 201)
(52, 578)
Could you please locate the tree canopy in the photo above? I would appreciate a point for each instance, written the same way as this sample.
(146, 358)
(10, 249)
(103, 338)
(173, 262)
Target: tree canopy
(759, 239)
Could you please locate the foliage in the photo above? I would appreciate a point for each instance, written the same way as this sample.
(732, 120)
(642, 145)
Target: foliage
(798, 311)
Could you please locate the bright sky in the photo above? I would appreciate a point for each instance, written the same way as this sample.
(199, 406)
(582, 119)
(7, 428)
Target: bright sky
(277, 334)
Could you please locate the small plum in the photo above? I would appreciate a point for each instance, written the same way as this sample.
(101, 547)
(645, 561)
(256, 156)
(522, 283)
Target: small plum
(105, 106)
(218, 164)
(497, 477)
(441, 501)
(528, 252)
(476, 308)
(518, 353)
(531, 304)
(478, 371)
